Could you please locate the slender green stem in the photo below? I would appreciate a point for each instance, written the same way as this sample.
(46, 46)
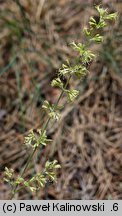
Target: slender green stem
(23, 171)
(15, 189)
(93, 27)
(62, 92)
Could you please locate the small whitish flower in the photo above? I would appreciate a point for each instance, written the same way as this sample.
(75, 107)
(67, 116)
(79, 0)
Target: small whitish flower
(52, 165)
(36, 139)
(64, 70)
(52, 110)
(72, 94)
(46, 105)
(40, 180)
(93, 23)
(86, 31)
(102, 12)
(97, 38)
(112, 16)
(55, 115)
(42, 138)
(80, 47)
(50, 169)
(33, 189)
(8, 172)
(86, 55)
(8, 175)
(79, 70)
(57, 83)
(30, 138)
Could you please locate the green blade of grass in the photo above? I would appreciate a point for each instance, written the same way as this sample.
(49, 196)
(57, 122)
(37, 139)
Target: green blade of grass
(9, 65)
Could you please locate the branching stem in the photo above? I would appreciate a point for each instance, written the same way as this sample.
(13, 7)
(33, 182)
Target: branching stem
(15, 189)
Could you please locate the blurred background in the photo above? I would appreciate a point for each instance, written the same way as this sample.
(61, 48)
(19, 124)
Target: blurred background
(87, 142)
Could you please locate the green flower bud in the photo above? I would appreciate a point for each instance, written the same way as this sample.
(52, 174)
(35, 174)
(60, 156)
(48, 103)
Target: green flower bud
(72, 94)
(112, 16)
(97, 38)
(51, 110)
(57, 83)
